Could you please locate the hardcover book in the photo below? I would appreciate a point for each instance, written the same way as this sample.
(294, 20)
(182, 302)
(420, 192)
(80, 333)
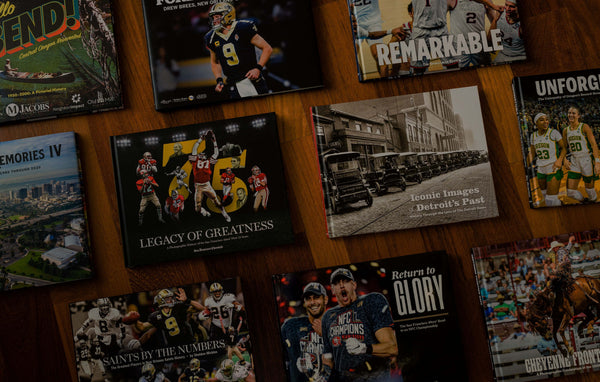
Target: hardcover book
(407, 38)
(558, 123)
(539, 299)
(373, 321)
(201, 189)
(197, 332)
(403, 162)
(42, 215)
(59, 58)
(213, 51)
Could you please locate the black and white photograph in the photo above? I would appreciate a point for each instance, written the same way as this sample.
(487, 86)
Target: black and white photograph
(404, 162)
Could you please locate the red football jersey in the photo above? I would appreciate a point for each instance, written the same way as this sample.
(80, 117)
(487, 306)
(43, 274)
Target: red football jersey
(227, 179)
(148, 165)
(202, 169)
(260, 182)
(175, 205)
(146, 188)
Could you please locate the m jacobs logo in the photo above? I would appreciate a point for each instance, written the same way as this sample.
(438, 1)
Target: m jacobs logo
(12, 110)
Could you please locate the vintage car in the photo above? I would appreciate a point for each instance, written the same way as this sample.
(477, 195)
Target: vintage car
(412, 172)
(426, 168)
(385, 171)
(430, 158)
(343, 182)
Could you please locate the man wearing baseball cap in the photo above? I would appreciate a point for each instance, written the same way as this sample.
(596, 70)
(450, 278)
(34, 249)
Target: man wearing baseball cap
(358, 334)
(561, 280)
(302, 335)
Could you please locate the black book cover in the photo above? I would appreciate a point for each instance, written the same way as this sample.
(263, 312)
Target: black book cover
(194, 332)
(58, 57)
(253, 47)
(382, 320)
(201, 189)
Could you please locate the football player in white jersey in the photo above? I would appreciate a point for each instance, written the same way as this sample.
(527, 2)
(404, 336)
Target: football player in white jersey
(104, 323)
(469, 16)
(549, 151)
(509, 24)
(149, 374)
(230, 372)
(584, 158)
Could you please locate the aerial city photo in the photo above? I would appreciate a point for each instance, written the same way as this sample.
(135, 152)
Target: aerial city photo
(43, 234)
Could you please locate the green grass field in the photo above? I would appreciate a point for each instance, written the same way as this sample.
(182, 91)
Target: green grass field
(22, 267)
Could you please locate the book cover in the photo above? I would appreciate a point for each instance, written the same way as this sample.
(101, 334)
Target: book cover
(59, 57)
(403, 162)
(383, 320)
(409, 38)
(539, 298)
(214, 51)
(43, 222)
(201, 189)
(558, 124)
(196, 332)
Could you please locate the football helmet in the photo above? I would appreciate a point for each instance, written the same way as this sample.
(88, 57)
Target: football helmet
(104, 306)
(165, 298)
(202, 156)
(228, 169)
(174, 194)
(147, 155)
(215, 289)
(148, 371)
(227, 367)
(195, 364)
(221, 15)
(144, 173)
(255, 170)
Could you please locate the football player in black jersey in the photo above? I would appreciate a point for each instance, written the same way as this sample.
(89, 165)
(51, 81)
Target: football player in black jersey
(232, 52)
(171, 318)
(193, 373)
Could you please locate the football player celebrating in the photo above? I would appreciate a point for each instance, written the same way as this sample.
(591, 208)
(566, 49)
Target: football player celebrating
(149, 374)
(358, 334)
(180, 175)
(193, 373)
(171, 318)
(548, 148)
(147, 164)
(302, 335)
(104, 324)
(230, 372)
(227, 180)
(232, 46)
(202, 175)
(174, 205)
(258, 184)
(146, 186)
(584, 158)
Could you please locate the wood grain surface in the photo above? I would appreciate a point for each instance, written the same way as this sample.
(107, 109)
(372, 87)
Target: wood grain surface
(35, 331)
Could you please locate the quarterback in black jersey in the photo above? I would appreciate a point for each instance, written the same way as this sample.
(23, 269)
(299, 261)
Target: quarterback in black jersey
(171, 318)
(232, 46)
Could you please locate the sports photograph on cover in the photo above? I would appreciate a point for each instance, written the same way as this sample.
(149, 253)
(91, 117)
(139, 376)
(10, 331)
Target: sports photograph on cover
(540, 299)
(201, 189)
(559, 121)
(43, 226)
(404, 162)
(213, 51)
(197, 332)
(59, 57)
(389, 320)
(399, 38)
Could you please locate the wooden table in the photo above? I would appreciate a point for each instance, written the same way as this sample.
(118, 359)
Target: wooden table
(35, 332)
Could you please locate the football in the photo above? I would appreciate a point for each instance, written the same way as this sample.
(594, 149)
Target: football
(131, 317)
